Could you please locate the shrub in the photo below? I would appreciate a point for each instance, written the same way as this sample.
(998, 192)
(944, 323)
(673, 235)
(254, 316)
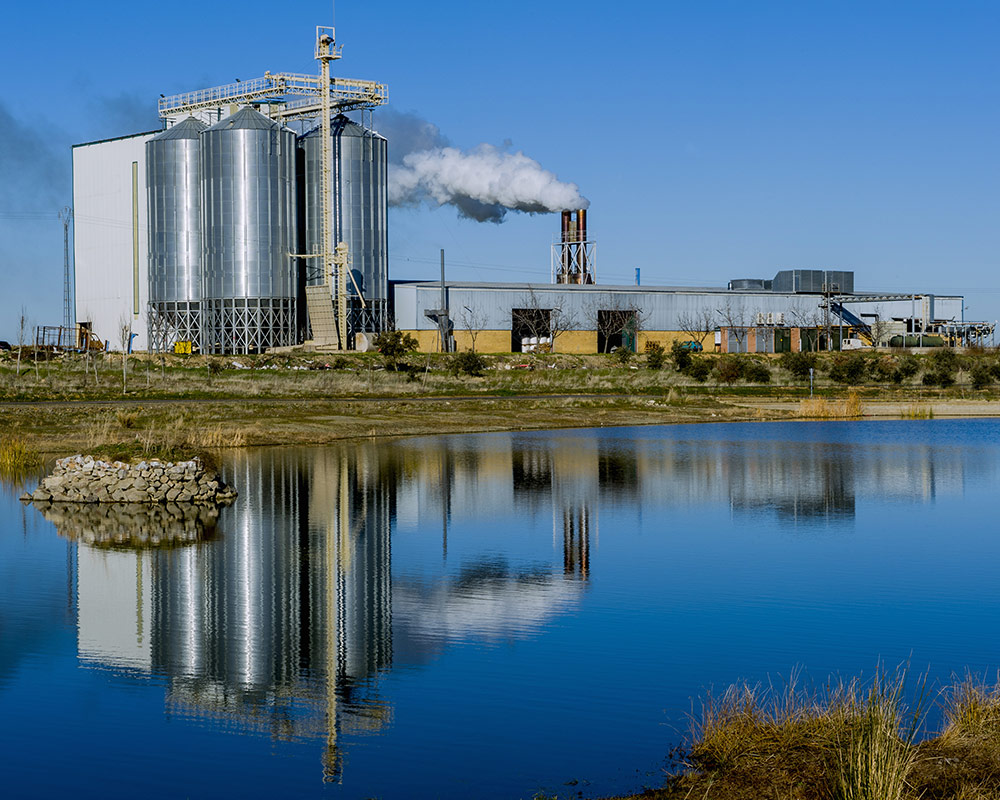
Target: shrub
(944, 360)
(393, 345)
(848, 368)
(729, 369)
(622, 355)
(756, 372)
(938, 378)
(680, 356)
(467, 363)
(655, 355)
(981, 376)
(798, 364)
(699, 369)
(882, 368)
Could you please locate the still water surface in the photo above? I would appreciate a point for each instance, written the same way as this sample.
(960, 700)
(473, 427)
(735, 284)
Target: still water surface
(484, 616)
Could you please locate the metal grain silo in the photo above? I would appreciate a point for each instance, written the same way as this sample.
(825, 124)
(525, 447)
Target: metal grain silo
(248, 219)
(359, 188)
(173, 187)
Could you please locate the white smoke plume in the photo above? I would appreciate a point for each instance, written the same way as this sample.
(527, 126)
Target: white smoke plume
(483, 183)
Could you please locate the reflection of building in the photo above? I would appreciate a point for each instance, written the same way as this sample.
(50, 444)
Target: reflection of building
(337, 563)
(281, 625)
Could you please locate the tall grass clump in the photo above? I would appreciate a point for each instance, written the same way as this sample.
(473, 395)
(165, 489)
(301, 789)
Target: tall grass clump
(878, 753)
(917, 411)
(972, 712)
(821, 408)
(16, 458)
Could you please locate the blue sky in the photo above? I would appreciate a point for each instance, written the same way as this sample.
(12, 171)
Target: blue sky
(714, 139)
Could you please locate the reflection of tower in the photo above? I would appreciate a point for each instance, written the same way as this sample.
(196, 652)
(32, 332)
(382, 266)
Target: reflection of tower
(576, 542)
(576, 481)
(350, 498)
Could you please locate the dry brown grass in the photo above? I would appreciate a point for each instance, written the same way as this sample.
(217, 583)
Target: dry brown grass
(849, 742)
(821, 408)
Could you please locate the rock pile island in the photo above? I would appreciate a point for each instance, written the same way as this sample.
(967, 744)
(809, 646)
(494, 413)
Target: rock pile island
(84, 479)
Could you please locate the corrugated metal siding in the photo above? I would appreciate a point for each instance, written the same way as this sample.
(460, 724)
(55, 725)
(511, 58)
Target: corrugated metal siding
(102, 242)
(662, 307)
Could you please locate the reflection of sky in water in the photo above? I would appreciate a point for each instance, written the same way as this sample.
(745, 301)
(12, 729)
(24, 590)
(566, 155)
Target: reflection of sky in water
(361, 609)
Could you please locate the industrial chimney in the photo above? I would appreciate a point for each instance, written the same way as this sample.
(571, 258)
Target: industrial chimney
(573, 255)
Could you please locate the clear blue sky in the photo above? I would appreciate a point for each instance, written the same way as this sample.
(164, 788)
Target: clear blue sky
(714, 139)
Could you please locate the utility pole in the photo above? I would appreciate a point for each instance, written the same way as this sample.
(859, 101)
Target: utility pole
(69, 318)
(443, 319)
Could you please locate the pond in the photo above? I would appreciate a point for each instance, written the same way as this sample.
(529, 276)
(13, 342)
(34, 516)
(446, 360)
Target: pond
(484, 616)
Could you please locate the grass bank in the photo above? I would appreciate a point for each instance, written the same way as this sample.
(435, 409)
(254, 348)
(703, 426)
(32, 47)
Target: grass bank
(850, 741)
(171, 405)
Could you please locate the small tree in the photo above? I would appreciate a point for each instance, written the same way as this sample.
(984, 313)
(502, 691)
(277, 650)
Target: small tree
(473, 320)
(655, 355)
(681, 356)
(697, 324)
(735, 319)
(22, 330)
(393, 345)
(616, 319)
(125, 337)
(541, 323)
(879, 327)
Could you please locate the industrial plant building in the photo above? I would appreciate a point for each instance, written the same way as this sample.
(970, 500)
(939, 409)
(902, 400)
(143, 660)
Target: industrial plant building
(749, 315)
(256, 218)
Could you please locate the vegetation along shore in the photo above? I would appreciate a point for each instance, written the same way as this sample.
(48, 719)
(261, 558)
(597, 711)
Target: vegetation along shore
(171, 406)
(856, 740)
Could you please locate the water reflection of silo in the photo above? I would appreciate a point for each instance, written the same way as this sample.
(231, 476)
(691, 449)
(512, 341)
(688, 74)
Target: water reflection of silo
(349, 500)
(183, 627)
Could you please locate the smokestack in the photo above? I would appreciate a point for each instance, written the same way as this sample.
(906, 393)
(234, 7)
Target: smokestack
(573, 258)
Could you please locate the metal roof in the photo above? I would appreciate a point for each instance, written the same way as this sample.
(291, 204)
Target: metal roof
(186, 129)
(245, 119)
(341, 125)
(117, 138)
(605, 287)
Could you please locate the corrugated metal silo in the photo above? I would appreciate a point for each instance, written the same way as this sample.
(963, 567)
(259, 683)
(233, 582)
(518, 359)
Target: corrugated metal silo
(360, 186)
(248, 219)
(173, 186)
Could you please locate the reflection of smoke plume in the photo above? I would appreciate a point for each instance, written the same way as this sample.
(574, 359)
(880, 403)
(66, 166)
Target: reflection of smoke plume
(483, 183)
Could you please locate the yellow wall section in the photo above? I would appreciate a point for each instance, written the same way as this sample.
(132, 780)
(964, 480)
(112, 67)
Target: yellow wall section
(667, 339)
(486, 341)
(574, 342)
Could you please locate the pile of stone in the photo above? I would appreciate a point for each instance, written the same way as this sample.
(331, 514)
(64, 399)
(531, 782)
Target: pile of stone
(84, 479)
(132, 525)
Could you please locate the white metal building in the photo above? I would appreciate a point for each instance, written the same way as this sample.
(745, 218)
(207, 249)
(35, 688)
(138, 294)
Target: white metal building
(110, 237)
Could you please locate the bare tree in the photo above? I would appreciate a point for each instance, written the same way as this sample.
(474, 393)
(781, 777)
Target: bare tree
(473, 320)
(125, 335)
(22, 328)
(697, 324)
(616, 318)
(810, 320)
(735, 319)
(545, 325)
(879, 326)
